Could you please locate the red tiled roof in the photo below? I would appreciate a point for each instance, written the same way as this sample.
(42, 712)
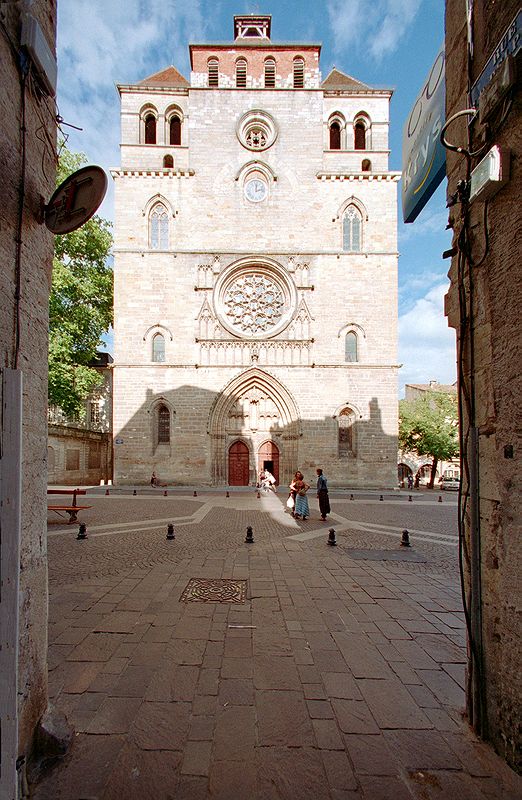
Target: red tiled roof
(166, 77)
(340, 80)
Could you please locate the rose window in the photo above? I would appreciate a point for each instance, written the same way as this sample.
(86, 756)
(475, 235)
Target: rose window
(256, 138)
(253, 304)
(256, 130)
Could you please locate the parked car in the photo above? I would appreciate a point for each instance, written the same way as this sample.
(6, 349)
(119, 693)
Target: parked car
(451, 484)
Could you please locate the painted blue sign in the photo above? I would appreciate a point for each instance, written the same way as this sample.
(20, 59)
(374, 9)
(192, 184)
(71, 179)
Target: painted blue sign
(423, 156)
(509, 45)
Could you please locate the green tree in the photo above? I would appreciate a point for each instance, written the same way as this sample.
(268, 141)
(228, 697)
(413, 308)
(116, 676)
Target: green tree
(428, 426)
(80, 306)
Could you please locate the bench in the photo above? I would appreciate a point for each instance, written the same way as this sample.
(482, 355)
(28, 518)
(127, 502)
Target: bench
(72, 509)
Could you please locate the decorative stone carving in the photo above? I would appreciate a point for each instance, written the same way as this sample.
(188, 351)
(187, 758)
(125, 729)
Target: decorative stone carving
(253, 303)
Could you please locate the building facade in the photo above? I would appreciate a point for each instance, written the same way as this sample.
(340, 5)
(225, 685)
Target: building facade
(483, 305)
(79, 451)
(255, 271)
(27, 168)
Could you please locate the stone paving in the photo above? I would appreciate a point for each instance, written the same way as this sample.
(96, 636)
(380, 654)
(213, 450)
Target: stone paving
(336, 678)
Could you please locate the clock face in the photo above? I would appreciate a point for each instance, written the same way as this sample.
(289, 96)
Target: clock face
(256, 190)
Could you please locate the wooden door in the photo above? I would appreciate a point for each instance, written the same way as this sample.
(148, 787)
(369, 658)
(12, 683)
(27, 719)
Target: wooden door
(238, 465)
(268, 458)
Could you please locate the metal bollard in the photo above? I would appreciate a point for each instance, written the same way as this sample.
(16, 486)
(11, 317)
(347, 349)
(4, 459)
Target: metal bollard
(135, 493)
(381, 497)
(440, 498)
(331, 537)
(410, 499)
(82, 531)
(405, 541)
(258, 495)
(195, 493)
(227, 494)
(351, 497)
(250, 536)
(165, 493)
(170, 531)
(107, 493)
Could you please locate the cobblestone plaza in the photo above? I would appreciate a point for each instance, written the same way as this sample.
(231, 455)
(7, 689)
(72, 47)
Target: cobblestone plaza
(340, 675)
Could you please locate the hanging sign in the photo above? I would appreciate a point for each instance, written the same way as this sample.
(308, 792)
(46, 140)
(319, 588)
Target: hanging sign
(76, 200)
(423, 156)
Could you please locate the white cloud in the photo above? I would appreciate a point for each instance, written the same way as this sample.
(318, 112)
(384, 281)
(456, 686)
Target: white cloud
(426, 343)
(376, 25)
(103, 43)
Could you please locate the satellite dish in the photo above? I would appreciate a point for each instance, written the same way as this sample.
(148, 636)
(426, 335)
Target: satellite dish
(76, 200)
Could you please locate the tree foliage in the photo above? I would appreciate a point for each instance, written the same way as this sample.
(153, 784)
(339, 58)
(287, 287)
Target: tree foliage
(428, 426)
(80, 307)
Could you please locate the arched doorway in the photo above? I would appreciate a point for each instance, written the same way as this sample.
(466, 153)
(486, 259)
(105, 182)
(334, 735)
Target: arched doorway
(238, 464)
(268, 458)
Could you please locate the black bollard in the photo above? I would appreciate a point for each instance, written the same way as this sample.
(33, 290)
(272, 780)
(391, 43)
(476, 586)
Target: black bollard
(250, 536)
(331, 537)
(135, 493)
(165, 493)
(405, 541)
(351, 497)
(258, 495)
(170, 531)
(381, 497)
(440, 498)
(195, 493)
(107, 492)
(410, 499)
(227, 494)
(82, 531)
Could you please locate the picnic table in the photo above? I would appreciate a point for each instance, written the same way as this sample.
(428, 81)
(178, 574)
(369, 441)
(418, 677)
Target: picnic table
(71, 509)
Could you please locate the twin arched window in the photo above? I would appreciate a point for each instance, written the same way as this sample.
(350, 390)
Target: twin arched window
(335, 135)
(175, 130)
(352, 230)
(158, 228)
(150, 128)
(361, 133)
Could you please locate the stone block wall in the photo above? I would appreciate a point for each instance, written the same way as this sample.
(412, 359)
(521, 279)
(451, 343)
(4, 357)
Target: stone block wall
(492, 373)
(32, 267)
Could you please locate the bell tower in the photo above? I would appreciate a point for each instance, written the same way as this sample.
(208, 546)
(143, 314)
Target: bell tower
(252, 26)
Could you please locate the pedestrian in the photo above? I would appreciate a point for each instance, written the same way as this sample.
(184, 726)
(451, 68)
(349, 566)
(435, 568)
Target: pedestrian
(153, 479)
(270, 480)
(322, 494)
(410, 481)
(417, 480)
(300, 487)
(290, 503)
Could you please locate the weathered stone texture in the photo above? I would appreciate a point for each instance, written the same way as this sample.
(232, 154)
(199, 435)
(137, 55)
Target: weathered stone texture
(497, 283)
(35, 278)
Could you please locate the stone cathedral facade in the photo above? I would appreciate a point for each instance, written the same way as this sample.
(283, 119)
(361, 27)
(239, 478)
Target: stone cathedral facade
(255, 271)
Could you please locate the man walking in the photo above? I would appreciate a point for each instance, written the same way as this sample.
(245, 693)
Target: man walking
(322, 494)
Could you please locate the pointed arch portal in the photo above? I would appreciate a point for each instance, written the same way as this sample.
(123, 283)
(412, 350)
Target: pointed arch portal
(254, 408)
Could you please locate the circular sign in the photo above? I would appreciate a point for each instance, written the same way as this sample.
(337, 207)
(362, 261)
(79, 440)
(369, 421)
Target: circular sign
(76, 200)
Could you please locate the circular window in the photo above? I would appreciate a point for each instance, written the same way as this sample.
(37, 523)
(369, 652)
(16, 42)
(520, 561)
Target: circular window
(255, 300)
(257, 130)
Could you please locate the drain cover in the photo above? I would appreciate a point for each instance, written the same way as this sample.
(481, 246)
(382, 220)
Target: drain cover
(214, 590)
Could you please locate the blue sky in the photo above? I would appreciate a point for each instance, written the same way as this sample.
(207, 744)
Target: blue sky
(385, 43)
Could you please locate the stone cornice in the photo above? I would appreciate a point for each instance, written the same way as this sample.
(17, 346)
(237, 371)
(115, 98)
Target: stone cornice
(157, 173)
(379, 177)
